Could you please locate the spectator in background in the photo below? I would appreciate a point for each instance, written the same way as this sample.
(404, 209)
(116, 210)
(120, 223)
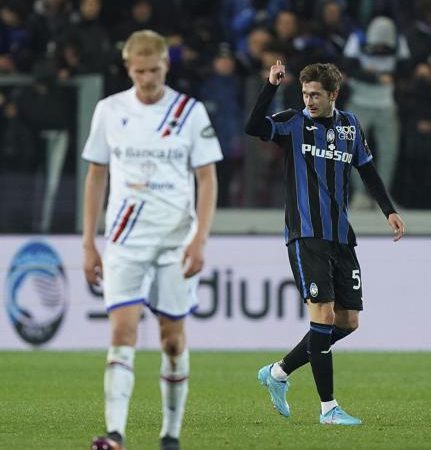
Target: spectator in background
(88, 32)
(366, 10)
(48, 22)
(239, 17)
(249, 60)
(373, 60)
(415, 100)
(419, 35)
(287, 31)
(332, 29)
(141, 17)
(220, 93)
(16, 53)
(68, 60)
(188, 62)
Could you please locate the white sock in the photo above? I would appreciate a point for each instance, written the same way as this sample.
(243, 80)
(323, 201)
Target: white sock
(118, 383)
(278, 373)
(327, 406)
(174, 386)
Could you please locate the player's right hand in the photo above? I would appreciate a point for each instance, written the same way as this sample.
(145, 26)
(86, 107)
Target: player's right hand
(277, 73)
(398, 226)
(93, 268)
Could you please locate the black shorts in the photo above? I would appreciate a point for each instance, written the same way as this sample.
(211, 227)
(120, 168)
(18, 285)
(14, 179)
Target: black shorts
(326, 271)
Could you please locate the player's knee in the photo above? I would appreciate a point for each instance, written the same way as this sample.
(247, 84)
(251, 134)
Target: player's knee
(349, 324)
(172, 344)
(123, 334)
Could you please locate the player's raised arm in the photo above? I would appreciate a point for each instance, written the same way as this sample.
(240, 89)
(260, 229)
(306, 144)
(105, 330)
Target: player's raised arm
(256, 124)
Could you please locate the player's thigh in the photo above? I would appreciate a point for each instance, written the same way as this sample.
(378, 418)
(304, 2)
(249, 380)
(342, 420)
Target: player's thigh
(348, 279)
(172, 295)
(311, 262)
(124, 324)
(123, 275)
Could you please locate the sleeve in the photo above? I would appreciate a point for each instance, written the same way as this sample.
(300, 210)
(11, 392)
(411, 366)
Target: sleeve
(96, 148)
(375, 186)
(363, 153)
(205, 145)
(258, 124)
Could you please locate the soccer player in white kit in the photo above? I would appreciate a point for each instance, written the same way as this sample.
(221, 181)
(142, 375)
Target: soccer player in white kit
(155, 142)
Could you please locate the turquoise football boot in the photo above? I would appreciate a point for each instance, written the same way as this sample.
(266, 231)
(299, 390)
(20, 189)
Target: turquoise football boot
(277, 390)
(336, 416)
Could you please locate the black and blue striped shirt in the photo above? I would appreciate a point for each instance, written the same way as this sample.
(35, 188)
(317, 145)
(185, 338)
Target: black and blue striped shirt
(319, 155)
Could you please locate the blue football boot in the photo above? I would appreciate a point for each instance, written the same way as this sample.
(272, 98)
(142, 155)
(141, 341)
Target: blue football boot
(336, 416)
(277, 390)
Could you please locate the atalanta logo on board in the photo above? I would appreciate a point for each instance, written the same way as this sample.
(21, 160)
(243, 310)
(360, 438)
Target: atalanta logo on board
(36, 292)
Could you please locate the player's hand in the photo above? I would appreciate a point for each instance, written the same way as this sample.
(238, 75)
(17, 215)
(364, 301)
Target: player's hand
(193, 258)
(93, 267)
(277, 73)
(398, 226)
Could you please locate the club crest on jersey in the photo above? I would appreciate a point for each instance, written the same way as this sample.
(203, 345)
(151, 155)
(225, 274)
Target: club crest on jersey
(314, 290)
(330, 135)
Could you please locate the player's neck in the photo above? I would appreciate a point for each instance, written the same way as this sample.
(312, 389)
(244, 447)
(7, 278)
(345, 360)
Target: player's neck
(151, 98)
(329, 113)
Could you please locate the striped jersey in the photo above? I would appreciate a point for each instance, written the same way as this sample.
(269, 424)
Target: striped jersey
(152, 151)
(319, 155)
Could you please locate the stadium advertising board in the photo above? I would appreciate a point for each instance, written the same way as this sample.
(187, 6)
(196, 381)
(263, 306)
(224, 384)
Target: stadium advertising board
(247, 294)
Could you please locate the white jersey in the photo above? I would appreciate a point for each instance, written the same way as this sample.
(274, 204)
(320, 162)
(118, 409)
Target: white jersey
(151, 151)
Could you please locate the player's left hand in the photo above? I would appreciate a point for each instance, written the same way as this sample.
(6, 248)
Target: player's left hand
(398, 226)
(193, 258)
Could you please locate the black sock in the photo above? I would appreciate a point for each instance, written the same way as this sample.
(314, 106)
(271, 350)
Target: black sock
(320, 355)
(298, 356)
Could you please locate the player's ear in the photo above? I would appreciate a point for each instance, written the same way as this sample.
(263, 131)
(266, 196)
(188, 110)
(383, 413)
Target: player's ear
(333, 95)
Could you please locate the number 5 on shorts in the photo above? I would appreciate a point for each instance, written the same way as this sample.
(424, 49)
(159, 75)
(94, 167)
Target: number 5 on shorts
(356, 276)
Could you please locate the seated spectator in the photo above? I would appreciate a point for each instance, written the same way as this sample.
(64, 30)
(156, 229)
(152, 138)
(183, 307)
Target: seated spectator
(373, 61)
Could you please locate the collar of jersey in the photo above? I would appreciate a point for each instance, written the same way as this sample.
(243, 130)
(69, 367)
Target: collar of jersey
(307, 114)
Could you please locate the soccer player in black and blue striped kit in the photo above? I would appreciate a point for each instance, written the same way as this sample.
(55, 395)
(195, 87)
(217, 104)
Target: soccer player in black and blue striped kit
(321, 144)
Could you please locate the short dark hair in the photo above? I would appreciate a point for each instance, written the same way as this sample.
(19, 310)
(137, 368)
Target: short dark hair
(328, 75)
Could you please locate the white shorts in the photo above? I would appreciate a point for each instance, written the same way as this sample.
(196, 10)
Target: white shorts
(149, 275)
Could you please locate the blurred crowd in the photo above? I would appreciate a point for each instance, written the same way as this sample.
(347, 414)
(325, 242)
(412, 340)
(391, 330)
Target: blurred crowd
(220, 52)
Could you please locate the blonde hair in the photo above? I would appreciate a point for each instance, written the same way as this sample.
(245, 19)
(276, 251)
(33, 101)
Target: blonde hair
(145, 43)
